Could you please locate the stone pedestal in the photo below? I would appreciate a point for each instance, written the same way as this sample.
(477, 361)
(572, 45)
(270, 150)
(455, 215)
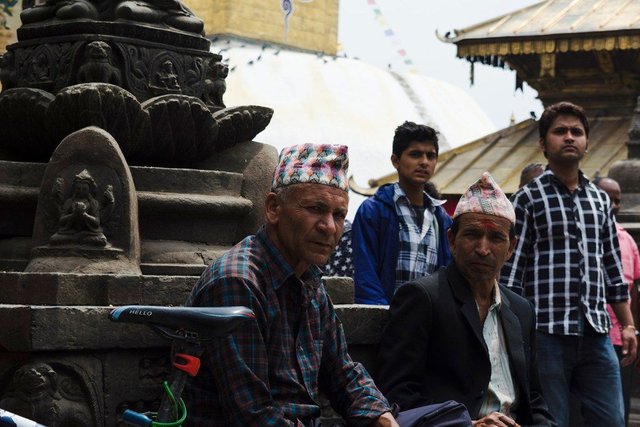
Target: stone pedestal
(91, 369)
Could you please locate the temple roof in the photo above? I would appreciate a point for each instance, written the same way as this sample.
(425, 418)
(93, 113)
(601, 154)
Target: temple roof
(554, 26)
(506, 152)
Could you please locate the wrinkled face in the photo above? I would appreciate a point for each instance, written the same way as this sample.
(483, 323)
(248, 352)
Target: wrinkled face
(481, 245)
(307, 223)
(565, 141)
(612, 188)
(417, 163)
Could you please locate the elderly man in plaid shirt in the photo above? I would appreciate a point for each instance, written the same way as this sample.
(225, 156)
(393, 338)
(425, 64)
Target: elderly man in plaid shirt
(270, 372)
(567, 261)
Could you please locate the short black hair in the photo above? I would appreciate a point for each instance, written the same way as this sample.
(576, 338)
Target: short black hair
(410, 131)
(561, 108)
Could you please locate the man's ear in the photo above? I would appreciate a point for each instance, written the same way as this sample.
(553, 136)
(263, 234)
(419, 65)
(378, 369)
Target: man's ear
(512, 246)
(272, 207)
(451, 238)
(395, 161)
(542, 145)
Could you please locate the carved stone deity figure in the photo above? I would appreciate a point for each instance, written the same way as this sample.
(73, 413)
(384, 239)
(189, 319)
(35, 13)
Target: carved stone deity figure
(98, 65)
(215, 85)
(35, 392)
(166, 77)
(80, 214)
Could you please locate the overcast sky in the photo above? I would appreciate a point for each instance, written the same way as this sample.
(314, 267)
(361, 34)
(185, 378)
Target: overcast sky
(413, 24)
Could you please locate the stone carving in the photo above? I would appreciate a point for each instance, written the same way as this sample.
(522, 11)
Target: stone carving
(152, 371)
(216, 85)
(97, 205)
(39, 68)
(81, 213)
(164, 129)
(131, 64)
(40, 393)
(21, 109)
(46, 66)
(239, 124)
(59, 9)
(182, 128)
(98, 66)
(166, 78)
(100, 104)
(7, 70)
(169, 12)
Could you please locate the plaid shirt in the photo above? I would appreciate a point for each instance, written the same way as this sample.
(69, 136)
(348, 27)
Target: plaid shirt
(567, 259)
(418, 255)
(269, 372)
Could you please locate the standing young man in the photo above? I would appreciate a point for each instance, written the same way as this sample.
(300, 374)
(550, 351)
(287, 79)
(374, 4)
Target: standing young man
(567, 262)
(399, 234)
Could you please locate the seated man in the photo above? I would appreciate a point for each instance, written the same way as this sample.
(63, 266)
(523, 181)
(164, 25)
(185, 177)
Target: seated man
(399, 233)
(470, 340)
(270, 371)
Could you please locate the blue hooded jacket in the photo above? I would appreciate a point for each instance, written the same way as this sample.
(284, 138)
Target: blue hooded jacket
(375, 243)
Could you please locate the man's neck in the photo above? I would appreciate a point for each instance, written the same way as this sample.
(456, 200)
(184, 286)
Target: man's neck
(483, 293)
(415, 193)
(567, 173)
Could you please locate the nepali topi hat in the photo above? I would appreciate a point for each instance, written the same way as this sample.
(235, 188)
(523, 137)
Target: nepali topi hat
(314, 164)
(485, 196)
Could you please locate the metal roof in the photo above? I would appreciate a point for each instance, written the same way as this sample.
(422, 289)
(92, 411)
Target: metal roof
(557, 17)
(506, 152)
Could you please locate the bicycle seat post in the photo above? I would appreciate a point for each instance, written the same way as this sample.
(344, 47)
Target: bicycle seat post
(183, 366)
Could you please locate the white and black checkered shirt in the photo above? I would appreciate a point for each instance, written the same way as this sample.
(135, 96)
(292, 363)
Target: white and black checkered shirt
(418, 246)
(567, 258)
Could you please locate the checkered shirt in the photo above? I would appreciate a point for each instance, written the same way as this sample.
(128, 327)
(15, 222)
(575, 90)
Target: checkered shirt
(567, 258)
(269, 372)
(341, 263)
(418, 254)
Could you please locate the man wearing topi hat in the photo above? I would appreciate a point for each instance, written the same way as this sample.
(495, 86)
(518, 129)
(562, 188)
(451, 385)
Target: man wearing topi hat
(471, 340)
(270, 372)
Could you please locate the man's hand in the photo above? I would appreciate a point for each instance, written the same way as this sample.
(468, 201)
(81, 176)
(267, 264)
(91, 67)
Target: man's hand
(495, 419)
(385, 420)
(629, 347)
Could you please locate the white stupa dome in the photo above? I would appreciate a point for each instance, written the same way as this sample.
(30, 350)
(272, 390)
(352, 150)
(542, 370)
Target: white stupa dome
(326, 99)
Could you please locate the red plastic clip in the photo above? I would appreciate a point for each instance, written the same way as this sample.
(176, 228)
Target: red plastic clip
(187, 363)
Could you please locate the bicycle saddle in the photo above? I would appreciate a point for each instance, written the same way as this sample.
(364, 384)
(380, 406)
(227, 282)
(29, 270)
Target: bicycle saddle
(208, 322)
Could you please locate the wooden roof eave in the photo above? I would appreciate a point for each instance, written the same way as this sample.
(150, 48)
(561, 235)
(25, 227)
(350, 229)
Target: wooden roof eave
(551, 43)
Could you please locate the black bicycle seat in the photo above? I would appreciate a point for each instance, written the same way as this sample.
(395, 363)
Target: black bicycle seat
(208, 322)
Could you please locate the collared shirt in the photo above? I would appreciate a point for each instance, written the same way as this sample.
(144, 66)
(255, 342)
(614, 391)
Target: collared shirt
(269, 372)
(501, 393)
(631, 271)
(418, 254)
(567, 258)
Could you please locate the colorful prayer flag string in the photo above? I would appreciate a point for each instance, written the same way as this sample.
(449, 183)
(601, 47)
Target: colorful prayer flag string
(389, 32)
